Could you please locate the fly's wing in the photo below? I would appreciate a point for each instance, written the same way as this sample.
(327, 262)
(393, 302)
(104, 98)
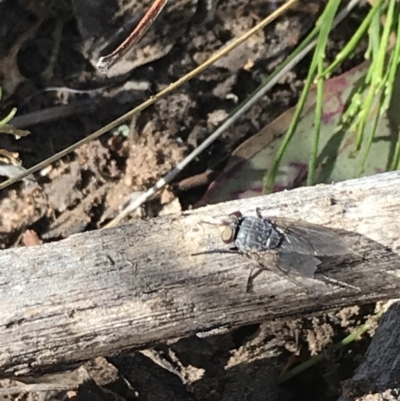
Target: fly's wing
(297, 263)
(306, 238)
(286, 263)
(297, 268)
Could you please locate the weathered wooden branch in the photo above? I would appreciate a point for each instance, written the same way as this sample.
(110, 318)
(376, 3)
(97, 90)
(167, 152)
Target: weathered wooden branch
(103, 291)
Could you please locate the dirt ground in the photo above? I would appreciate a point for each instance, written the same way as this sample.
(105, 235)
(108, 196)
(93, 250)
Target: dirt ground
(70, 99)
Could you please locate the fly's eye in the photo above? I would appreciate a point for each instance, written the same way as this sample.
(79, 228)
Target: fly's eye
(228, 235)
(237, 214)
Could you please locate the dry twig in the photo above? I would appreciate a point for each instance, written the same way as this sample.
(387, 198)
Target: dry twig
(99, 292)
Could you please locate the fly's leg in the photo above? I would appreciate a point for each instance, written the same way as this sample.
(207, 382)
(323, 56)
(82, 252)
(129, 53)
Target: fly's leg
(307, 283)
(231, 250)
(250, 279)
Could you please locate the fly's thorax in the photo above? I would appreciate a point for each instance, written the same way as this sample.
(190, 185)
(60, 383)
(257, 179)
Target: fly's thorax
(257, 234)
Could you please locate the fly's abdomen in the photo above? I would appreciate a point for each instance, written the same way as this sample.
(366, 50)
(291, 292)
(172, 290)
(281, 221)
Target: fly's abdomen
(257, 234)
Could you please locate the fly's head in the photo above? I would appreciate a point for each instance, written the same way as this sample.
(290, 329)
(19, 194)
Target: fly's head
(230, 227)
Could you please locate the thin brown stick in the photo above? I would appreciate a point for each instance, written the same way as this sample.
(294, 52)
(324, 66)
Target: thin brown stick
(106, 62)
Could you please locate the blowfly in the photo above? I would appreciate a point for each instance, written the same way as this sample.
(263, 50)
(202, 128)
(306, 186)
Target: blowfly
(286, 247)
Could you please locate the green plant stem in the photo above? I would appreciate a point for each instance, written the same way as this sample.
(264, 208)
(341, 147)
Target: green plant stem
(324, 25)
(317, 126)
(396, 158)
(9, 117)
(352, 115)
(377, 76)
(355, 39)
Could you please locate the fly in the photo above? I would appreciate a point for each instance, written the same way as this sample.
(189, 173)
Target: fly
(287, 247)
